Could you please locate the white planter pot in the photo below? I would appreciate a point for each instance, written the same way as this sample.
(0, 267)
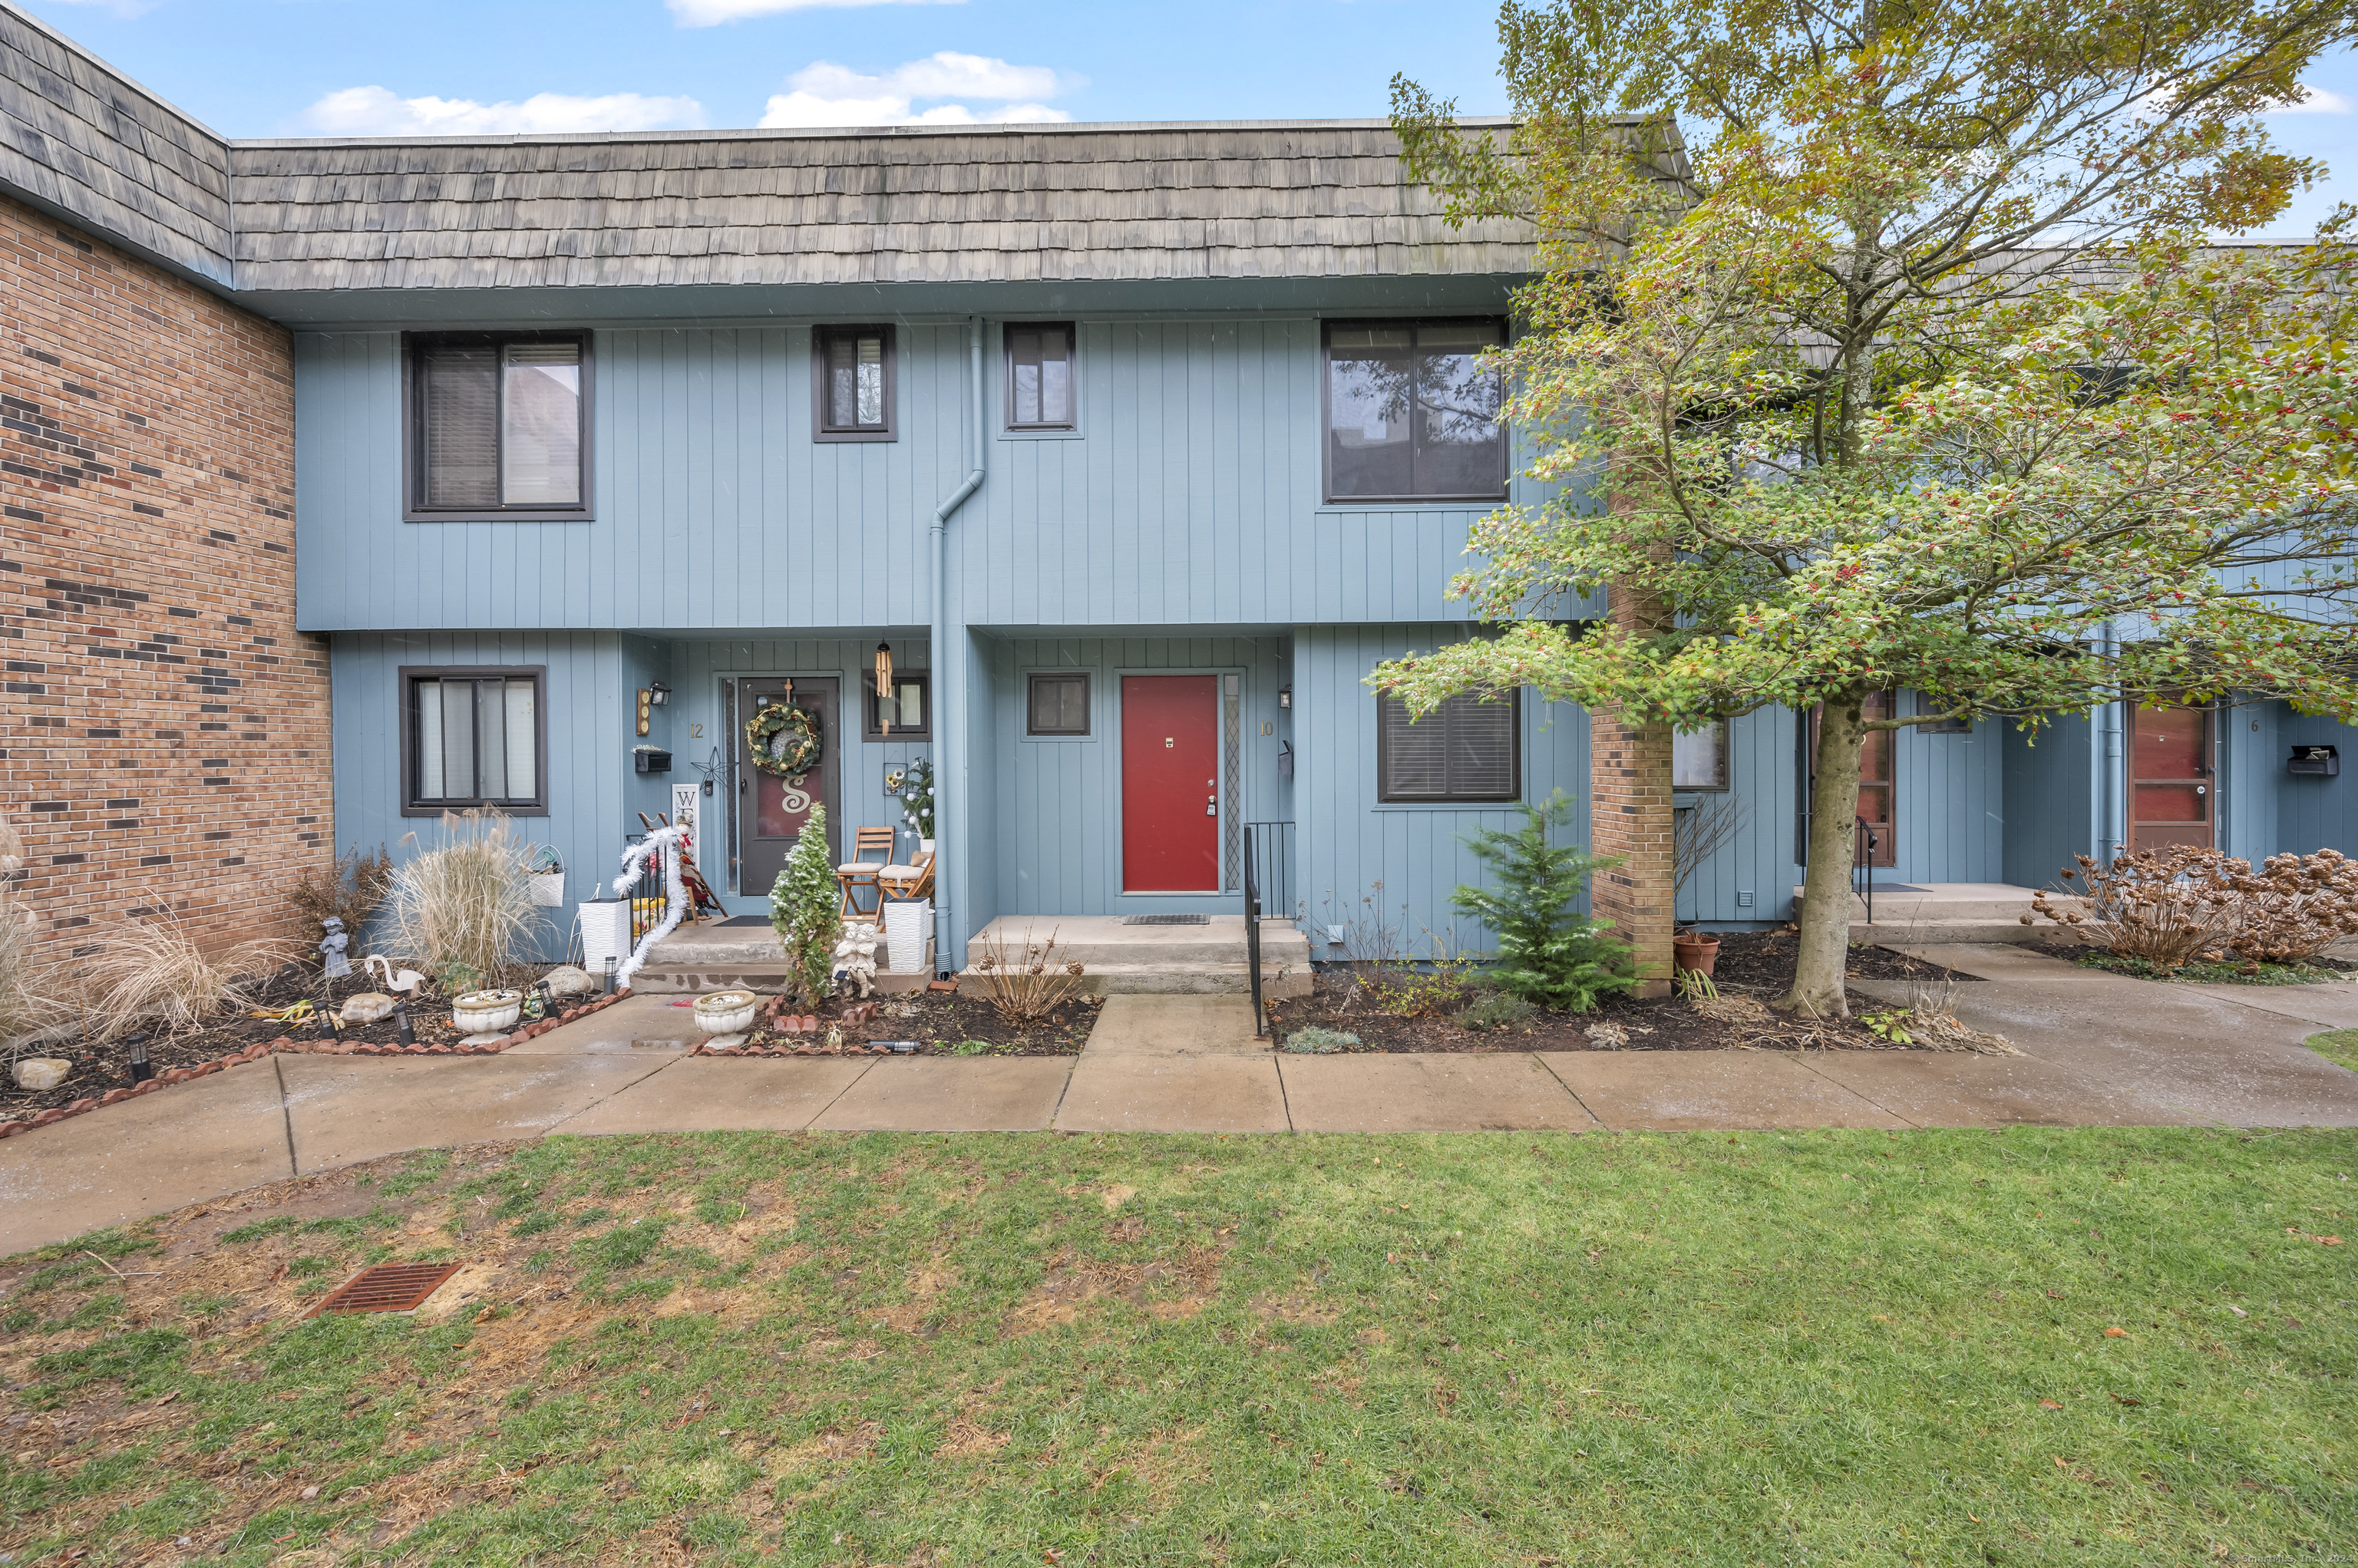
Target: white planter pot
(548, 889)
(605, 933)
(925, 845)
(487, 1013)
(905, 924)
(725, 1012)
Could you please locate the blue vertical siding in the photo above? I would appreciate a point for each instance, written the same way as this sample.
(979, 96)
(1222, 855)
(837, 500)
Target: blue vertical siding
(2310, 813)
(700, 736)
(1348, 842)
(1054, 820)
(591, 704)
(1190, 494)
(2052, 786)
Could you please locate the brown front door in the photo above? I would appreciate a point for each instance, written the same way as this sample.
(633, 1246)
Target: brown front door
(1877, 785)
(770, 809)
(2171, 798)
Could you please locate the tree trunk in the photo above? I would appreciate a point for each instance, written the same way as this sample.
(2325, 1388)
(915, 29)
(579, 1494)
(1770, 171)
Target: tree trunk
(1825, 915)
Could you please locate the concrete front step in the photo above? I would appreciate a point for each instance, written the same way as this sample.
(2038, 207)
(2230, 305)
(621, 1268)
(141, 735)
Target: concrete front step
(1949, 912)
(1191, 980)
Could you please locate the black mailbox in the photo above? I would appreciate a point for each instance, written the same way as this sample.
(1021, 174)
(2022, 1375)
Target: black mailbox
(2315, 761)
(652, 761)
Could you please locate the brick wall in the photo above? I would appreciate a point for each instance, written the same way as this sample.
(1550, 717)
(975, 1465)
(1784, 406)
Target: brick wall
(1630, 813)
(164, 731)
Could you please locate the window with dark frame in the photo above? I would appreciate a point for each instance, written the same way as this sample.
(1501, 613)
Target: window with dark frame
(908, 706)
(1468, 749)
(1412, 413)
(853, 369)
(1057, 704)
(497, 423)
(475, 738)
(1040, 375)
(1699, 757)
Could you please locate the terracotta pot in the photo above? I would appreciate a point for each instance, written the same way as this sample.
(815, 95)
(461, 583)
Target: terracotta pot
(1695, 951)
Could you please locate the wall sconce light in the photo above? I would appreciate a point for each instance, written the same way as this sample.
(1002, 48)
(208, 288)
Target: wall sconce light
(1285, 697)
(657, 693)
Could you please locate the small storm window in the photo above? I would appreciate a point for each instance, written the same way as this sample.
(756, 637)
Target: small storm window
(497, 425)
(1468, 749)
(1699, 757)
(854, 366)
(906, 709)
(1058, 704)
(473, 738)
(1040, 375)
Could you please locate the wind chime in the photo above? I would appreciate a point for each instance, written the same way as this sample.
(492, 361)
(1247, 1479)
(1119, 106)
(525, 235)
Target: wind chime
(884, 688)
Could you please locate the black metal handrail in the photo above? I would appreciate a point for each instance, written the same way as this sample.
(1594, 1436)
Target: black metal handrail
(1269, 861)
(1862, 844)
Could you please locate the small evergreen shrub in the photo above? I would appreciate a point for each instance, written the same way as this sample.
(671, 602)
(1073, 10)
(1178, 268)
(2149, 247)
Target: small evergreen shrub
(1499, 1010)
(1547, 954)
(1316, 1042)
(806, 907)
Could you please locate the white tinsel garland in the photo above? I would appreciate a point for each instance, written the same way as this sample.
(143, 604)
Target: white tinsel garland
(647, 853)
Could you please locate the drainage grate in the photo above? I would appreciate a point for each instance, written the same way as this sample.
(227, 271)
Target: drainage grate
(1168, 920)
(388, 1287)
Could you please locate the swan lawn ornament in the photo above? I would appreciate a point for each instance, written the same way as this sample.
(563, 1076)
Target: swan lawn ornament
(646, 855)
(396, 982)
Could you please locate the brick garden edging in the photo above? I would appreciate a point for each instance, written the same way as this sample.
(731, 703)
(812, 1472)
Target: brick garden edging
(255, 1052)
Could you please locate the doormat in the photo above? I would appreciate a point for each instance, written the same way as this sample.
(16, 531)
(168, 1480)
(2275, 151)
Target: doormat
(388, 1287)
(1168, 920)
(741, 920)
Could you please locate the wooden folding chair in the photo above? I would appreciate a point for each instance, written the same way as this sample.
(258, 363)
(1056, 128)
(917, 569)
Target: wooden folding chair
(902, 884)
(872, 850)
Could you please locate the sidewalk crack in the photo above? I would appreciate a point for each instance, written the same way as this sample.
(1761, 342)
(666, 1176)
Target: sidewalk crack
(1574, 1093)
(1849, 1090)
(287, 1115)
(618, 1089)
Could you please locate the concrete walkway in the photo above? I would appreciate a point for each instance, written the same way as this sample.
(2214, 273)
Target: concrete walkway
(2099, 1050)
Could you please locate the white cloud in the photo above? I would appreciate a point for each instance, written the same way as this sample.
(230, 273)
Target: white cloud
(2318, 101)
(375, 112)
(825, 93)
(712, 13)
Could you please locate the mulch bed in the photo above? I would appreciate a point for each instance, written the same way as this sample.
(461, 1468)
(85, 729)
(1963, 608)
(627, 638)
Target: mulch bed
(2233, 972)
(1752, 964)
(939, 1022)
(100, 1065)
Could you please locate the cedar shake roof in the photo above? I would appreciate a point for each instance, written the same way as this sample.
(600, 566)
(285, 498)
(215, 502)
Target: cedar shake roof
(922, 205)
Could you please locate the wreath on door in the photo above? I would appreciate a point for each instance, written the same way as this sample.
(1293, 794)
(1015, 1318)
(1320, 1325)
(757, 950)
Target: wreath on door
(784, 739)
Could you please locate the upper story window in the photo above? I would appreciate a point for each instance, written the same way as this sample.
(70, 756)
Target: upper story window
(473, 737)
(1412, 414)
(1468, 749)
(1699, 757)
(1040, 375)
(497, 423)
(853, 368)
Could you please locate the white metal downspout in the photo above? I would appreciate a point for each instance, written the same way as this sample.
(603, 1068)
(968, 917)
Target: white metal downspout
(2113, 807)
(949, 780)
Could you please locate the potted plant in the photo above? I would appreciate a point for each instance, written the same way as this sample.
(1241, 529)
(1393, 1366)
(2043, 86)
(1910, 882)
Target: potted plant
(1696, 950)
(917, 803)
(484, 1014)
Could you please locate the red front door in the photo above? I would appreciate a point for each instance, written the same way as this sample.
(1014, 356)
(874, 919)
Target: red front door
(2169, 777)
(1170, 799)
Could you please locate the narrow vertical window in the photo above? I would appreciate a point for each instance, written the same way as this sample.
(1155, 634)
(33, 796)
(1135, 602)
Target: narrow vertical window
(854, 366)
(1040, 375)
(497, 423)
(1699, 757)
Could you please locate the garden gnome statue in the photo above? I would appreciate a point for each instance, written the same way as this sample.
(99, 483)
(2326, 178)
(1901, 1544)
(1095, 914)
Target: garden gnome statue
(855, 960)
(334, 965)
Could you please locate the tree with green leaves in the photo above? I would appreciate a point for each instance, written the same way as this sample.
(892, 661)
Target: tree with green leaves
(1893, 337)
(1548, 953)
(806, 907)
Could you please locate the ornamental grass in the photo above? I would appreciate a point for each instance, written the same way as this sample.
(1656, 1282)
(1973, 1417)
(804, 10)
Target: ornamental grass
(152, 974)
(461, 909)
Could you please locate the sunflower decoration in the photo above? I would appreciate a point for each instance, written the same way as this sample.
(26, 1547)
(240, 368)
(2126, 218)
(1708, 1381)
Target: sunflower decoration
(784, 739)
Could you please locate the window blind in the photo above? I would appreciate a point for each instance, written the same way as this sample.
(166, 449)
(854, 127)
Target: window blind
(461, 414)
(1468, 749)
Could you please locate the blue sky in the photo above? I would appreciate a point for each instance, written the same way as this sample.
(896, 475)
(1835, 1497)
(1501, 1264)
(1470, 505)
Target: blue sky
(259, 68)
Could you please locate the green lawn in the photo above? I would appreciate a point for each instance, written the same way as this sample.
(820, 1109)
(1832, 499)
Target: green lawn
(2339, 1047)
(2036, 1346)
